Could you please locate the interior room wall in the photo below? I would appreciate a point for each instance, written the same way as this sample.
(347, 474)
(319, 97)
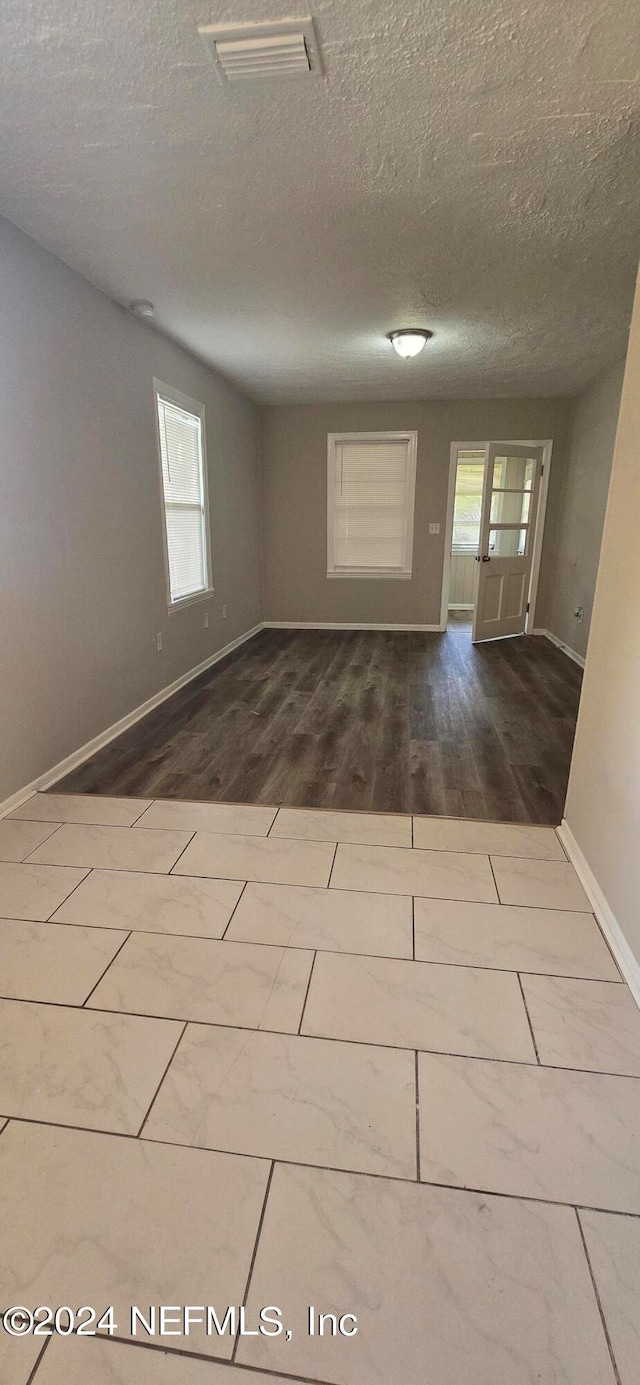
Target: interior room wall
(603, 803)
(81, 555)
(294, 500)
(581, 505)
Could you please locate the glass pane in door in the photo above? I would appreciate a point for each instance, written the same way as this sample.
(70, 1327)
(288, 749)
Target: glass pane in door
(510, 507)
(513, 473)
(508, 543)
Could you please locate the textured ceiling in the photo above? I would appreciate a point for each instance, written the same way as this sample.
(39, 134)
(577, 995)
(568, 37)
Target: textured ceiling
(469, 165)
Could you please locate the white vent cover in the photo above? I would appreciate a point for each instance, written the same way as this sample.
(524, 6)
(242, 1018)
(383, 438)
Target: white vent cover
(246, 51)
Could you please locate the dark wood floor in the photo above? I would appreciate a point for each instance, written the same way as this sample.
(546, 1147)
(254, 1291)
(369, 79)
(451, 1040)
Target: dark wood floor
(363, 720)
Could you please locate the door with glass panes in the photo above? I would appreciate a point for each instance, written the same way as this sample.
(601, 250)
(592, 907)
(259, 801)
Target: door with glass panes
(507, 528)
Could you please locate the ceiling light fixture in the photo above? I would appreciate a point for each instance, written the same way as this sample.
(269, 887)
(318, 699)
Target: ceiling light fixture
(408, 341)
(142, 308)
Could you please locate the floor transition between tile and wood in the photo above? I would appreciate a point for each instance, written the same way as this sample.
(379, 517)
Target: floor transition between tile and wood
(381, 1067)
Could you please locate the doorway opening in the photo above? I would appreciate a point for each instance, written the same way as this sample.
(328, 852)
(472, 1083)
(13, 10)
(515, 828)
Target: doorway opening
(493, 537)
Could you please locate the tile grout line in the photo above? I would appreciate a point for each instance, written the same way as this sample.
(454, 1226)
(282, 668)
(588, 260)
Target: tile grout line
(597, 1297)
(23, 861)
(335, 853)
(156, 1093)
(493, 875)
(56, 828)
(331, 1168)
(306, 995)
(526, 1007)
(103, 973)
(417, 1081)
(140, 815)
(413, 928)
(388, 894)
(317, 841)
(255, 1252)
(87, 873)
(300, 947)
(180, 854)
(233, 1368)
(227, 925)
(323, 1038)
(36, 1367)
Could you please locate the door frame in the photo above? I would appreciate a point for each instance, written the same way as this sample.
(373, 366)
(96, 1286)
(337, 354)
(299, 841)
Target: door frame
(547, 449)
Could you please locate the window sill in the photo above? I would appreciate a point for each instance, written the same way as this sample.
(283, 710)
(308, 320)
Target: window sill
(185, 601)
(373, 572)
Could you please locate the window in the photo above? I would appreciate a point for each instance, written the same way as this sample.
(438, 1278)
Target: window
(468, 502)
(371, 485)
(184, 495)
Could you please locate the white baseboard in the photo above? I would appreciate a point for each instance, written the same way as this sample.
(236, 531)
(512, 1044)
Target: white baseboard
(344, 625)
(627, 962)
(77, 757)
(566, 649)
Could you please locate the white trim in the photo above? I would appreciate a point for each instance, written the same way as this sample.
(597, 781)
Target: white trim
(78, 757)
(627, 962)
(344, 625)
(407, 435)
(566, 649)
(189, 406)
(547, 448)
(461, 605)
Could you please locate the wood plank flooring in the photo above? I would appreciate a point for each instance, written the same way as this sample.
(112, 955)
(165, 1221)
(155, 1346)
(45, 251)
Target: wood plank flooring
(394, 722)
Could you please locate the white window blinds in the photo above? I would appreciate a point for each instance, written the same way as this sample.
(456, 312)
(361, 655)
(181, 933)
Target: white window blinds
(371, 483)
(184, 495)
(468, 503)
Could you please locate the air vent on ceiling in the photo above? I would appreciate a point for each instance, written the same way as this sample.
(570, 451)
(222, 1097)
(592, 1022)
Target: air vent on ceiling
(246, 51)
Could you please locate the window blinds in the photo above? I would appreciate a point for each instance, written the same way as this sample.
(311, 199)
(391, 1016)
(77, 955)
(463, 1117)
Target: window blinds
(468, 505)
(371, 505)
(184, 499)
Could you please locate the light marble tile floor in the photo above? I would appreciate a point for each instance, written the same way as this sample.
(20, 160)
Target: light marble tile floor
(117, 848)
(80, 1068)
(204, 979)
(550, 941)
(283, 862)
(34, 892)
(416, 1005)
(152, 903)
(330, 920)
(62, 965)
(19, 839)
(290, 1057)
(376, 829)
(584, 1024)
(88, 808)
(397, 870)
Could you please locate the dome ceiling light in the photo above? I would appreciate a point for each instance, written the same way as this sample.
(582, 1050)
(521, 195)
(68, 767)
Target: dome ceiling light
(408, 341)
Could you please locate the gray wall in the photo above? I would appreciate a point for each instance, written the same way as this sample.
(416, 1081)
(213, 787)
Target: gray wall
(603, 804)
(581, 506)
(294, 500)
(82, 571)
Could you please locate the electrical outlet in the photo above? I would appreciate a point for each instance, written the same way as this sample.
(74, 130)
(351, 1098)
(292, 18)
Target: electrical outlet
(579, 614)
(224, 613)
(206, 620)
(434, 528)
(159, 642)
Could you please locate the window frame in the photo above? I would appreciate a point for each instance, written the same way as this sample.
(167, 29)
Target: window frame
(407, 435)
(194, 407)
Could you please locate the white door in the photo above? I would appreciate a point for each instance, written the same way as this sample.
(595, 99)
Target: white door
(507, 530)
